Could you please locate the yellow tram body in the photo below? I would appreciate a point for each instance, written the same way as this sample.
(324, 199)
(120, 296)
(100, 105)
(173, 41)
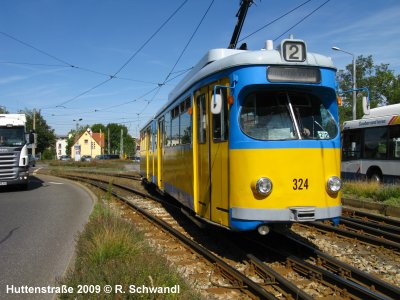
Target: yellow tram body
(210, 162)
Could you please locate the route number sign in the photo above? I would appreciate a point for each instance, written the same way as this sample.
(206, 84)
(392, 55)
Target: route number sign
(294, 51)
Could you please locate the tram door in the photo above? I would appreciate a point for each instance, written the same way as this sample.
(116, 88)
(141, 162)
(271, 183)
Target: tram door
(218, 132)
(202, 180)
(212, 158)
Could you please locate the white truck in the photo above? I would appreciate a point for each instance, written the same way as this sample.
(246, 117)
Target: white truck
(14, 162)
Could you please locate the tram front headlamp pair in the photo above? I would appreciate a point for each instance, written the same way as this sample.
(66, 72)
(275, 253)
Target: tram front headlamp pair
(263, 186)
(334, 184)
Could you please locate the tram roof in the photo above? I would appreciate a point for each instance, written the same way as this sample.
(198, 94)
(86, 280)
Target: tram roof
(217, 60)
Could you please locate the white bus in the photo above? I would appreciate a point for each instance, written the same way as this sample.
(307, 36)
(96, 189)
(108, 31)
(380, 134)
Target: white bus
(371, 146)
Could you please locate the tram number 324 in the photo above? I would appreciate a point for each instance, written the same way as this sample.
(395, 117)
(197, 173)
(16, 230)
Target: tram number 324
(300, 184)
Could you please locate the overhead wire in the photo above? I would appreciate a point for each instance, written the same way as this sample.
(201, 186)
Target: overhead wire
(275, 20)
(65, 64)
(167, 79)
(302, 19)
(190, 39)
(150, 38)
(37, 49)
(130, 58)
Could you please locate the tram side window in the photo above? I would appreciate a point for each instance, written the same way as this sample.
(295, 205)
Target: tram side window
(185, 123)
(163, 136)
(148, 135)
(351, 144)
(201, 119)
(220, 121)
(168, 139)
(175, 137)
(375, 143)
(394, 142)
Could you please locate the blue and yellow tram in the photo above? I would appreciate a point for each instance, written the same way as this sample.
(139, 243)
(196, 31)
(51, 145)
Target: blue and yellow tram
(250, 139)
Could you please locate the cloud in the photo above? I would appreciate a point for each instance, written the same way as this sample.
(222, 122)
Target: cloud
(11, 79)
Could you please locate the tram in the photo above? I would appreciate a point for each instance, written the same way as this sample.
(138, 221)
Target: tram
(249, 140)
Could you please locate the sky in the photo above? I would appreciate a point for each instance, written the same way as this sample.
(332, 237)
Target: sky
(81, 62)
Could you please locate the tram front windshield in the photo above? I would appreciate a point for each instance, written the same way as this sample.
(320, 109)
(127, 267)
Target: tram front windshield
(274, 115)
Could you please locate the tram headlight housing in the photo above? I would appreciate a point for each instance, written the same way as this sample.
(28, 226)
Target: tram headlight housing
(263, 186)
(334, 184)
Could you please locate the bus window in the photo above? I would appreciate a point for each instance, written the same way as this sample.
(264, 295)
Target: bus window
(351, 144)
(394, 142)
(375, 143)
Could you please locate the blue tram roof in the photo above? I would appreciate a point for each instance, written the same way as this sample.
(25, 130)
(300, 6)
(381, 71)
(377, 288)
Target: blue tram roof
(217, 60)
(220, 59)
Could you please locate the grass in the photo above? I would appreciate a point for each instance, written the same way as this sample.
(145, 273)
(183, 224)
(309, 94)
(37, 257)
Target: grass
(111, 251)
(386, 194)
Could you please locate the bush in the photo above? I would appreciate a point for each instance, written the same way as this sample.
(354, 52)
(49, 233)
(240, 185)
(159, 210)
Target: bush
(47, 154)
(111, 251)
(373, 190)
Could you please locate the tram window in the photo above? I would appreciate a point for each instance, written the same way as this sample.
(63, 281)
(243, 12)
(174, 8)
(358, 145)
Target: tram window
(394, 142)
(168, 140)
(148, 135)
(201, 119)
(351, 144)
(163, 136)
(315, 121)
(375, 143)
(155, 140)
(186, 128)
(175, 137)
(265, 116)
(220, 121)
(275, 115)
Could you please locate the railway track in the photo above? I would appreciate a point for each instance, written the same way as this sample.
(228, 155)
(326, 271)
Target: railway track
(348, 282)
(236, 279)
(368, 228)
(386, 224)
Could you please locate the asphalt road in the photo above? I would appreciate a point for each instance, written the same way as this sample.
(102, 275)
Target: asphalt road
(38, 229)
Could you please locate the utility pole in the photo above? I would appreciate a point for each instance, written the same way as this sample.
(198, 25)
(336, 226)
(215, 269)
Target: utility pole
(34, 130)
(354, 110)
(108, 140)
(121, 150)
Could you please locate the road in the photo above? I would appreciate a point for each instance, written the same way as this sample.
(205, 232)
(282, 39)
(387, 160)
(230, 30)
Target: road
(38, 228)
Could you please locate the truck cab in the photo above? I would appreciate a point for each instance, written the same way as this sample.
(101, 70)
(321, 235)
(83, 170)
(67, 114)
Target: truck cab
(14, 161)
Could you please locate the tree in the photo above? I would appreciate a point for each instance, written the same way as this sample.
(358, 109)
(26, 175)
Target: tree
(115, 139)
(46, 138)
(383, 85)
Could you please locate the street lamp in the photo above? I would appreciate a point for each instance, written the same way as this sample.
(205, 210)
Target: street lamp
(77, 123)
(354, 80)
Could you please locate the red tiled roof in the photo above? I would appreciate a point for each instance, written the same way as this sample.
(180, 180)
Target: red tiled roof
(99, 138)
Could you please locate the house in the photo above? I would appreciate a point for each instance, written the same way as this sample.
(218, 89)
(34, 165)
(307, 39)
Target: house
(61, 145)
(89, 143)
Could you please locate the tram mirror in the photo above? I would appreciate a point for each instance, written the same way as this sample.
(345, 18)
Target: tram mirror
(216, 104)
(365, 104)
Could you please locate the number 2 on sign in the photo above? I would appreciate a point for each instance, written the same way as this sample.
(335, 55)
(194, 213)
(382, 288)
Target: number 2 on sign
(300, 184)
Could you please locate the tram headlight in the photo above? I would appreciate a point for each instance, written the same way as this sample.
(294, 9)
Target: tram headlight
(334, 184)
(263, 186)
